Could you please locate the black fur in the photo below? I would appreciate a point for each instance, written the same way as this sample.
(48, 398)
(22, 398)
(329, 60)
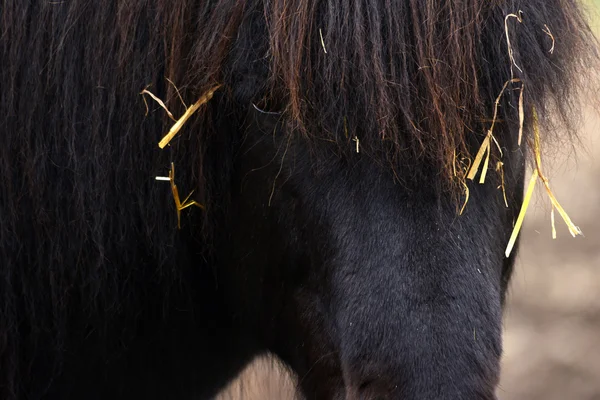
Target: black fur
(355, 269)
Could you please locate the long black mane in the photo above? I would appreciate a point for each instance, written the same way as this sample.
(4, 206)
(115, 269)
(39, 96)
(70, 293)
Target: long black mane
(414, 80)
(87, 234)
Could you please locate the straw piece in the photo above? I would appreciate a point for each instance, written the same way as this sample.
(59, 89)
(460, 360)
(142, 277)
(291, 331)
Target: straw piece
(322, 41)
(497, 102)
(497, 146)
(484, 149)
(573, 229)
(357, 140)
(519, 223)
(500, 168)
(462, 166)
(177, 91)
(485, 167)
(521, 113)
(188, 113)
(179, 205)
(547, 31)
(454, 163)
(159, 101)
(466, 197)
(510, 49)
(538, 174)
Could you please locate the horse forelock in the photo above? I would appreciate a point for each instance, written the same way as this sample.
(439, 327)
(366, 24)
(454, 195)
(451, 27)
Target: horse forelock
(414, 80)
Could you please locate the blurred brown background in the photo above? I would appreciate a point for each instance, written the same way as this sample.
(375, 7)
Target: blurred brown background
(552, 318)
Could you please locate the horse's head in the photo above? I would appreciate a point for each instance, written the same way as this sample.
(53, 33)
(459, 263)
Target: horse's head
(371, 283)
(377, 277)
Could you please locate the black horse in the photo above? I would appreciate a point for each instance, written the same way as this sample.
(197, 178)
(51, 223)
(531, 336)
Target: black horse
(330, 173)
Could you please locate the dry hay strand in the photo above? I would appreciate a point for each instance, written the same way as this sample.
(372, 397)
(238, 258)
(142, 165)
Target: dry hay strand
(205, 98)
(500, 170)
(189, 111)
(460, 169)
(159, 101)
(539, 175)
(535, 147)
(179, 205)
(519, 17)
(485, 148)
(322, 41)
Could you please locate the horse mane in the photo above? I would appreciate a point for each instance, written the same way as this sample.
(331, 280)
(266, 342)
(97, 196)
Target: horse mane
(84, 227)
(414, 80)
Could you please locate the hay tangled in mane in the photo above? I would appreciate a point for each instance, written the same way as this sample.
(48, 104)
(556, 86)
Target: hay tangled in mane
(412, 82)
(413, 79)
